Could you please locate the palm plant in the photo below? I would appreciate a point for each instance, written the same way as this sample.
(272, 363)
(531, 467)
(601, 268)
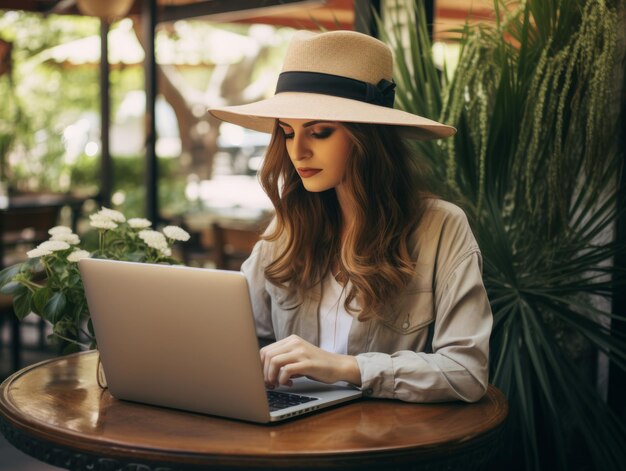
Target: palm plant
(534, 163)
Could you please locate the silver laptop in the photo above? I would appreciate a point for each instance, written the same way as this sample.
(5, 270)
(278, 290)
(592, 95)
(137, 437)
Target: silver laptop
(184, 338)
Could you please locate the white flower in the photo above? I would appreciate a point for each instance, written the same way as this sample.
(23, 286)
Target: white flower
(139, 223)
(166, 251)
(176, 233)
(71, 239)
(37, 252)
(112, 214)
(153, 239)
(100, 221)
(77, 255)
(58, 230)
(53, 245)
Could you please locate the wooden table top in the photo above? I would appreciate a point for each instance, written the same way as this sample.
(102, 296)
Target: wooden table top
(55, 411)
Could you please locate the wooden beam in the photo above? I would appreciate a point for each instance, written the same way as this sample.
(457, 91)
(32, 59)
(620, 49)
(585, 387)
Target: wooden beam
(64, 6)
(313, 23)
(41, 6)
(229, 11)
(332, 15)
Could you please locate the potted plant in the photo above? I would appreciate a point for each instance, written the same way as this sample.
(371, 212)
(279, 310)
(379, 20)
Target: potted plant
(49, 284)
(534, 164)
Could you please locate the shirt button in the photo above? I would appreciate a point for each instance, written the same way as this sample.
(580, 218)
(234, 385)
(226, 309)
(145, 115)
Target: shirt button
(405, 325)
(368, 392)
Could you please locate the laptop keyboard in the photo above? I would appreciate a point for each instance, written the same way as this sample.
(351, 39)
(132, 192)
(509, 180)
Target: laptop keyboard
(281, 400)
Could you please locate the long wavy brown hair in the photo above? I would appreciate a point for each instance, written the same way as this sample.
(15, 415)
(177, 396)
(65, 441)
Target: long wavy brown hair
(387, 189)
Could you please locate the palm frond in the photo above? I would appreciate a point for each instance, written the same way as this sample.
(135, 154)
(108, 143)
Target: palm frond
(534, 165)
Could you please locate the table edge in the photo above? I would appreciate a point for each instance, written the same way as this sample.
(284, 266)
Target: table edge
(31, 437)
(481, 450)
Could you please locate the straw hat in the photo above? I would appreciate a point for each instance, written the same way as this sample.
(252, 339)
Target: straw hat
(336, 76)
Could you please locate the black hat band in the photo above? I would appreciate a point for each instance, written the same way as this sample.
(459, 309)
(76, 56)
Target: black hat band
(382, 94)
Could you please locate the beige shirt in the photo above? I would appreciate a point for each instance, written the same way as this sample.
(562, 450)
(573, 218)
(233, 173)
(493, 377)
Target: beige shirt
(447, 290)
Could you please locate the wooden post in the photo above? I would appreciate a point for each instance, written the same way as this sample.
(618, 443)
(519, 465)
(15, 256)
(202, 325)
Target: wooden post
(364, 20)
(149, 20)
(106, 164)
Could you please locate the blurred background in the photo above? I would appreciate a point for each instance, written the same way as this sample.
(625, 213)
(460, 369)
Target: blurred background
(51, 106)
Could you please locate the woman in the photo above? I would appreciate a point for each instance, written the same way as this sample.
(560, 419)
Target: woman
(362, 276)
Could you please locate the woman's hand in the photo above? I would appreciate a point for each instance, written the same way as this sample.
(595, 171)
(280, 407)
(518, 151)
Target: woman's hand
(292, 357)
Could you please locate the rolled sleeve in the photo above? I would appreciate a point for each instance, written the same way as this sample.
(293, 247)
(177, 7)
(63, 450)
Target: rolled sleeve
(377, 374)
(458, 368)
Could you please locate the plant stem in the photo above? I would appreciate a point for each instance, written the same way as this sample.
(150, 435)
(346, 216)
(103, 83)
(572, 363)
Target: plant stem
(46, 268)
(89, 336)
(31, 285)
(67, 339)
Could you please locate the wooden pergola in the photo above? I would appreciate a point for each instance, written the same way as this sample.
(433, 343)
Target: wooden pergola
(300, 14)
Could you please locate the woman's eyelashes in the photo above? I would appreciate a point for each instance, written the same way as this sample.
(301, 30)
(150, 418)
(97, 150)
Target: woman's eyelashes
(323, 133)
(317, 133)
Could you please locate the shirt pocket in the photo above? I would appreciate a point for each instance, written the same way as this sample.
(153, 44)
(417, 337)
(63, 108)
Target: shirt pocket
(412, 312)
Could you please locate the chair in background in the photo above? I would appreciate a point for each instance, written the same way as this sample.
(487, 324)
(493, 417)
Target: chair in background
(232, 244)
(198, 250)
(21, 229)
(7, 314)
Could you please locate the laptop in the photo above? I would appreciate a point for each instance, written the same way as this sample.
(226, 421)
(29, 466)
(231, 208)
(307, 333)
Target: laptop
(184, 338)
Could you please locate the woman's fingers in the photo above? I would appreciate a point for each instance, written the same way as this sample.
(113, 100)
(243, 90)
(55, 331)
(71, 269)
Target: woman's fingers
(273, 358)
(289, 358)
(293, 356)
(279, 366)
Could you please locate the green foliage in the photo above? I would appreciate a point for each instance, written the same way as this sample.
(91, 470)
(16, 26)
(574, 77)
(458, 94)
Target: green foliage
(534, 165)
(41, 99)
(49, 282)
(128, 180)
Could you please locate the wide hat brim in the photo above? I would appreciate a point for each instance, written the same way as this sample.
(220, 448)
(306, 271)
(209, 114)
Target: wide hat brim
(261, 115)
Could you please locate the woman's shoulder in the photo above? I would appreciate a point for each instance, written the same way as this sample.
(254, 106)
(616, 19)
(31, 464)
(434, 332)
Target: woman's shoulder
(441, 212)
(268, 247)
(443, 224)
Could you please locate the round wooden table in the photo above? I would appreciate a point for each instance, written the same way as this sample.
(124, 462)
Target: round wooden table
(56, 412)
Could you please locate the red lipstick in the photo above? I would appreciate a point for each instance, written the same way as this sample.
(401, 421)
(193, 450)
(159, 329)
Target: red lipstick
(308, 172)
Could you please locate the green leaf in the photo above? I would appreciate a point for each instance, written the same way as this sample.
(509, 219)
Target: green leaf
(8, 273)
(12, 288)
(55, 307)
(70, 348)
(22, 304)
(73, 279)
(77, 312)
(136, 257)
(40, 299)
(90, 328)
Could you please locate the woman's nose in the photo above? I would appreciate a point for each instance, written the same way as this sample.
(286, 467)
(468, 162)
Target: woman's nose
(301, 148)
